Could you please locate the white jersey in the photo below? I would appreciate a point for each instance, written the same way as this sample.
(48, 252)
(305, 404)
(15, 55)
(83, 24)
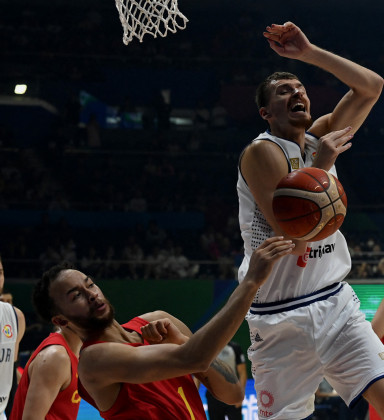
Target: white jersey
(325, 262)
(8, 338)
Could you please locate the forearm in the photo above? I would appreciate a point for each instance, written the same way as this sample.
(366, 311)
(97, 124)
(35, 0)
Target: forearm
(212, 337)
(358, 78)
(222, 383)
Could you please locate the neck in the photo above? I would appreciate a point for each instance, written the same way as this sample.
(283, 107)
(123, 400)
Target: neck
(295, 134)
(73, 340)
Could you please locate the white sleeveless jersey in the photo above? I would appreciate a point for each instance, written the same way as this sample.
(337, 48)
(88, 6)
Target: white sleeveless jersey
(8, 338)
(324, 263)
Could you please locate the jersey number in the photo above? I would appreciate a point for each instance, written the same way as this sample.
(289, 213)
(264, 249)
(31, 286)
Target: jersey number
(181, 392)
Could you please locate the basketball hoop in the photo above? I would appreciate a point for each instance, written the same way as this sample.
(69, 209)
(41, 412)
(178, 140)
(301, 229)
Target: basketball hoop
(155, 17)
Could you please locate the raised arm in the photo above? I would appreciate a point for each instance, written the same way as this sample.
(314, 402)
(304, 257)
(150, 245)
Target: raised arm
(365, 86)
(107, 364)
(219, 379)
(49, 373)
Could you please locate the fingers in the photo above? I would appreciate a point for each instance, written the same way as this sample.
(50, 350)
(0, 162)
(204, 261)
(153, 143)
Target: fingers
(339, 137)
(265, 256)
(278, 30)
(273, 242)
(271, 36)
(155, 331)
(276, 247)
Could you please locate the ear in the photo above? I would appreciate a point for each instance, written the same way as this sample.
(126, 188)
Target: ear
(59, 321)
(265, 115)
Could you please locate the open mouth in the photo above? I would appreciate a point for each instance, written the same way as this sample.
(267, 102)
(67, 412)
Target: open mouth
(100, 307)
(298, 107)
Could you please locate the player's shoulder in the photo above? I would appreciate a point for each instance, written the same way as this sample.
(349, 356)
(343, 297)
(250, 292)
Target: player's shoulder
(51, 360)
(19, 314)
(53, 353)
(262, 150)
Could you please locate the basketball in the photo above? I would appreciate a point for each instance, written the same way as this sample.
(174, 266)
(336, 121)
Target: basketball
(309, 204)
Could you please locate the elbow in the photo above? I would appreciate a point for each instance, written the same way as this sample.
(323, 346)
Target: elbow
(236, 397)
(376, 87)
(195, 361)
(200, 365)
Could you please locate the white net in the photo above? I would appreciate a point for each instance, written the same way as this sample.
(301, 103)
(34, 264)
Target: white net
(155, 17)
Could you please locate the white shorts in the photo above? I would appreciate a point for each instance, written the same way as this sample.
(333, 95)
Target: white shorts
(295, 343)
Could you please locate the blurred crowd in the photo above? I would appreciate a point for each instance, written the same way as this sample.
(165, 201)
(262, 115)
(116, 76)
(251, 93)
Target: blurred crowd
(158, 167)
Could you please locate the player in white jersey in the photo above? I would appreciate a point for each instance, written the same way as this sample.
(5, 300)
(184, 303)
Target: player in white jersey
(305, 322)
(12, 327)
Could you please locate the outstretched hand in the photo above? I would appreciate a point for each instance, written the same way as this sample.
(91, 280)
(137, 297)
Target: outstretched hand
(162, 331)
(287, 40)
(264, 257)
(331, 146)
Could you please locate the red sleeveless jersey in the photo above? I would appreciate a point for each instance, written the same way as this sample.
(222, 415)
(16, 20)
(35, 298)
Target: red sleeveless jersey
(67, 402)
(171, 399)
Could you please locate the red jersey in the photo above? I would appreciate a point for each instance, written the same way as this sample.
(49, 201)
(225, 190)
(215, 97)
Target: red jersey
(67, 402)
(171, 399)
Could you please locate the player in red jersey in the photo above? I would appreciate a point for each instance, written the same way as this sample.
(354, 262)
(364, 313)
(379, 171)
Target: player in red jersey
(124, 376)
(48, 386)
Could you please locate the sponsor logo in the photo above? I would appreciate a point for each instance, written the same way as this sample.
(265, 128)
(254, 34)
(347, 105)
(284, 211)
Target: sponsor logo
(266, 400)
(303, 259)
(314, 253)
(7, 330)
(258, 338)
(295, 163)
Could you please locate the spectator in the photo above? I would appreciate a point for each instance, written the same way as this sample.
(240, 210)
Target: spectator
(154, 264)
(178, 266)
(155, 236)
(133, 255)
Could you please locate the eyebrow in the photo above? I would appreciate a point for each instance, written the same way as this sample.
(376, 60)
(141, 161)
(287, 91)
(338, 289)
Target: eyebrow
(299, 84)
(76, 287)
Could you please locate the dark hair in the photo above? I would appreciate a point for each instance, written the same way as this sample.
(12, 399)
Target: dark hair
(262, 91)
(42, 301)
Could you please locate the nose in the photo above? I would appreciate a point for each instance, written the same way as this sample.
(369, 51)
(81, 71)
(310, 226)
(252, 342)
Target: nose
(92, 295)
(296, 92)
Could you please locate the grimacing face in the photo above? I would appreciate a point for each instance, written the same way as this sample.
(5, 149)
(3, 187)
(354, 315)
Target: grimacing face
(288, 104)
(81, 301)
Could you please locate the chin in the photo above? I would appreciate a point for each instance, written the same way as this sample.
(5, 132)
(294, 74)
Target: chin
(302, 123)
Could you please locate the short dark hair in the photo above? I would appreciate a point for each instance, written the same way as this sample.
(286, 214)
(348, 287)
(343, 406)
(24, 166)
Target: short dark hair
(42, 301)
(263, 90)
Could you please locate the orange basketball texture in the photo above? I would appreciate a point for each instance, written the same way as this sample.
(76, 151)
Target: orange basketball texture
(309, 204)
